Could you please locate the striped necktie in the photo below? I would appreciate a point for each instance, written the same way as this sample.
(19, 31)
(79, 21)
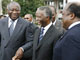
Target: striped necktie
(41, 34)
(11, 29)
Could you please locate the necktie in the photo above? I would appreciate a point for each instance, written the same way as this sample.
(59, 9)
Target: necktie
(41, 34)
(11, 29)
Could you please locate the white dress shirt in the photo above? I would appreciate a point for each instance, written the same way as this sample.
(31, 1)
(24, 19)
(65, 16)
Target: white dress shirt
(54, 22)
(46, 28)
(10, 22)
(72, 25)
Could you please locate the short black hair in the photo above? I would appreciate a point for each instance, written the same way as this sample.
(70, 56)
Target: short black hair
(74, 8)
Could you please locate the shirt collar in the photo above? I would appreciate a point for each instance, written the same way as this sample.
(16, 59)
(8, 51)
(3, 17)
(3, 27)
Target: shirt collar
(72, 25)
(10, 21)
(54, 22)
(46, 27)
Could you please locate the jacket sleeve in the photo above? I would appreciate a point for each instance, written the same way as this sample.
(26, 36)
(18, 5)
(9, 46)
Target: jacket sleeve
(29, 41)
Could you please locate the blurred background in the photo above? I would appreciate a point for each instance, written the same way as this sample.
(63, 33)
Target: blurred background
(30, 6)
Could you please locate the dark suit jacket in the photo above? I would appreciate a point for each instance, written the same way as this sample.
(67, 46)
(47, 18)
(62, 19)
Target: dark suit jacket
(33, 27)
(28, 53)
(68, 47)
(21, 36)
(44, 50)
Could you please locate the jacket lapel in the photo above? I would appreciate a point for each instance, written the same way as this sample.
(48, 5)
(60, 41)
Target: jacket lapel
(46, 36)
(16, 31)
(36, 38)
(5, 30)
(17, 28)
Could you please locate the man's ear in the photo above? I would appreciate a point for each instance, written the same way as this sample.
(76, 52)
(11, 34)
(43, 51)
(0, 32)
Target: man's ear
(48, 17)
(53, 18)
(72, 15)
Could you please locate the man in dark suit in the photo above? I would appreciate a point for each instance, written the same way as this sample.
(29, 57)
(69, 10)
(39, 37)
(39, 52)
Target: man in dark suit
(29, 17)
(68, 47)
(33, 27)
(15, 34)
(56, 22)
(46, 36)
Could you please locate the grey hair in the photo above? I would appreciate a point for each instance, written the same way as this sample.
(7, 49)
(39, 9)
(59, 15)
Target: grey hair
(30, 15)
(47, 10)
(13, 3)
(53, 8)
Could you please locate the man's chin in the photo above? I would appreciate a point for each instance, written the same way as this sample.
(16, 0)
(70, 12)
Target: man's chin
(14, 18)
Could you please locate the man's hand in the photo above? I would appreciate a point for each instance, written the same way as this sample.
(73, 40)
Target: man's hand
(15, 58)
(18, 55)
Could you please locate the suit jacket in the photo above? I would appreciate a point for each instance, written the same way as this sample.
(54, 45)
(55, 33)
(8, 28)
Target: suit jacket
(33, 27)
(28, 53)
(59, 26)
(21, 36)
(68, 47)
(44, 50)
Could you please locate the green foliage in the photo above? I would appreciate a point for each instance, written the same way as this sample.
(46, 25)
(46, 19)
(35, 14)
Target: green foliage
(29, 6)
(4, 5)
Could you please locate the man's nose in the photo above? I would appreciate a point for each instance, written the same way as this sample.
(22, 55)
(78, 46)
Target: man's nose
(14, 11)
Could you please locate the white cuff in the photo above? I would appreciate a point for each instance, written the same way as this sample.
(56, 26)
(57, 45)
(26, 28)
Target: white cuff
(22, 49)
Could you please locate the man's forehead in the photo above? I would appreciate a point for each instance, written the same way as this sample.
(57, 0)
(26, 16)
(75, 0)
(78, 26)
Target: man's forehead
(40, 11)
(27, 15)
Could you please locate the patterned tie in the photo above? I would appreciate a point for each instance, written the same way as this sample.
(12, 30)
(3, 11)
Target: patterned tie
(11, 29)
(41, 34)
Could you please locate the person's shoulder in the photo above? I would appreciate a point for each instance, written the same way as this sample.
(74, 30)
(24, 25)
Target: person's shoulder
(4, 19)
(24, 21)
(34, 25)
(55, 30)
(75, 30)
